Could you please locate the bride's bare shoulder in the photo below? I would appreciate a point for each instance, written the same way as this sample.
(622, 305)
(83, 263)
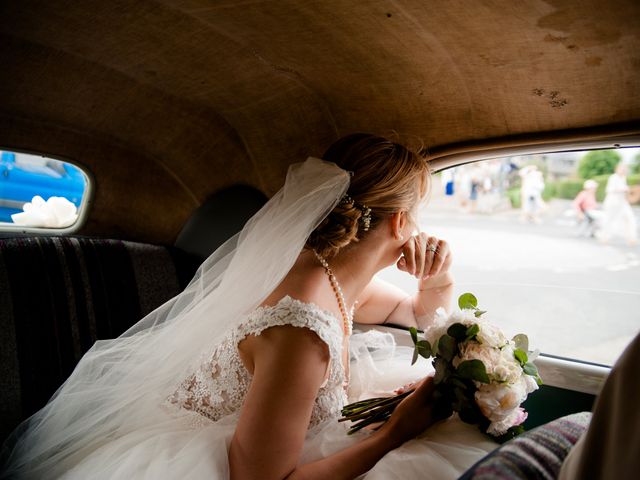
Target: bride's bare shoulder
(307, 282)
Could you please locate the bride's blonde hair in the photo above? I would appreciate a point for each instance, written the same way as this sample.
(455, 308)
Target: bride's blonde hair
(387, 177)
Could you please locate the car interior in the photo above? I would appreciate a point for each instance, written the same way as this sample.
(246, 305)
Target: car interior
(184, 116)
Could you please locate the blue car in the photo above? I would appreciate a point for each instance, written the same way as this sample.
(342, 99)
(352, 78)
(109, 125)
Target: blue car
(24, 176)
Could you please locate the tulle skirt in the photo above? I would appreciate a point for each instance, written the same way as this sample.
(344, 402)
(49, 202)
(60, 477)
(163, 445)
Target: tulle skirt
(188, 447)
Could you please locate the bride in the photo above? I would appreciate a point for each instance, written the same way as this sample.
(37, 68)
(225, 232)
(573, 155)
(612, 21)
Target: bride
(236, 376)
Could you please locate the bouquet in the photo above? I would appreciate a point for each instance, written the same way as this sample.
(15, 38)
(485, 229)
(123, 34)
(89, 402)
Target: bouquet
(479, 373)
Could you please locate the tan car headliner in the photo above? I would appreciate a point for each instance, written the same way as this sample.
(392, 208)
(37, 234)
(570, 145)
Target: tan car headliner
(167, 101)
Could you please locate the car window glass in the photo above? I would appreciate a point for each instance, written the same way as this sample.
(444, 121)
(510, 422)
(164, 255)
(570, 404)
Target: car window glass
(40, 192)
(548, 244)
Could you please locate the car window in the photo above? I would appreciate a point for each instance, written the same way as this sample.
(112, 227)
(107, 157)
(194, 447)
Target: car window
(39, 192)
(548, 244)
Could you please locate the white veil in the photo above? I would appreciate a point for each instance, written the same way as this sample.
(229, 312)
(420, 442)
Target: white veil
(118, 382)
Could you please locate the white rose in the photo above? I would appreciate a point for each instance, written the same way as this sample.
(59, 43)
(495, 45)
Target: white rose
(530, 382)
(472, 350)
(500, 427)
(497, 400)
(507, 372)
(435, 331)
(507, 369)
(491, 336)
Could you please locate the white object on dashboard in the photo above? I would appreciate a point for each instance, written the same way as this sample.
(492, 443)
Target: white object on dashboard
(56, 212)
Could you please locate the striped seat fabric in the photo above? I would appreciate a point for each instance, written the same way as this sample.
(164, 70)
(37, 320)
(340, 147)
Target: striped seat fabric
(58, 295)
(537, 454)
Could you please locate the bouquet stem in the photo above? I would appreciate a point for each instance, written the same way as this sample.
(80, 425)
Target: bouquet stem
(372, 410)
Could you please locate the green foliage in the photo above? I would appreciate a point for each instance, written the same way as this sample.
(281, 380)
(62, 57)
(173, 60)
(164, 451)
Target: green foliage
(473, 370)
(598, 162)
(549, 191)
(635, 166)
(443, 370)
(601, 192)
(467, 300)
(521, 356)
(457, 331)
(521, 341)
(515, 198)
(421, 347)
(634, 182)
(447, 347)
(530, 369)
(472, 331)
(511, 433)
(414, 334)
(568, 188)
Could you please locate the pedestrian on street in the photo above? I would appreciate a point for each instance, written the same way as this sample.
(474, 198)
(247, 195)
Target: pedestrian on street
(618, 216)
(586, 207)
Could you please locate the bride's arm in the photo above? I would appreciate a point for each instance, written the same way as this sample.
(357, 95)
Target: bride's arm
(289, 365)
(382, 302)
(385, 303)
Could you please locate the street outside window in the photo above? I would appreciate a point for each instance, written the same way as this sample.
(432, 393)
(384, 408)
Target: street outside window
(548, 244)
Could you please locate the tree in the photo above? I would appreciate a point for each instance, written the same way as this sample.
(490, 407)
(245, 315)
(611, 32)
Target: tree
(635, 167)
(598, 162)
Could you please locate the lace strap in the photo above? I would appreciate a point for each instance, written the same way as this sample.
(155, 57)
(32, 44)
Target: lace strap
(289, 311)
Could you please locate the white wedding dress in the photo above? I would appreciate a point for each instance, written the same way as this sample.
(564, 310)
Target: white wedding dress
(200, 416)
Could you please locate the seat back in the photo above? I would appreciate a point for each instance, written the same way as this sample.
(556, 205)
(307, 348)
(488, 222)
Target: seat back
(58, 295)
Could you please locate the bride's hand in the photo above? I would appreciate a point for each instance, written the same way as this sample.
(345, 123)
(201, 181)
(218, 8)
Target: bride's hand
(413, 415)
(425, 256)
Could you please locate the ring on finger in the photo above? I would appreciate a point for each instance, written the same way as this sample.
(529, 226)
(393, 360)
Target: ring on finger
(432, 248)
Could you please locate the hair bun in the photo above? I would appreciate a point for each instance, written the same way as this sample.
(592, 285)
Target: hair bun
(337, 230)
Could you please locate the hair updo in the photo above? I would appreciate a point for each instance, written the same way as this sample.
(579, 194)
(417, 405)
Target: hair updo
(387, 177)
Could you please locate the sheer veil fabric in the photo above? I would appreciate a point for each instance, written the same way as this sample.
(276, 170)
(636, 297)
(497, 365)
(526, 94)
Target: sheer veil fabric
(119, 385)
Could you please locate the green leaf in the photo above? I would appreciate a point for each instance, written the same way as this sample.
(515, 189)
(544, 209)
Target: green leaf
(521, 356)
(473, 370)
(447, 347)
(414, 359)
(479, 313)
(530, 369)
(472, 331)
(467, 300)
(423, 347)
(521, 341)
(457, 331)
(509, 434)
(457, 382)
(442, 370)
(414, 334)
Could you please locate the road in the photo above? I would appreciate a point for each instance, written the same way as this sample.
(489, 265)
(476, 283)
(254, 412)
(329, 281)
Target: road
(572, 295)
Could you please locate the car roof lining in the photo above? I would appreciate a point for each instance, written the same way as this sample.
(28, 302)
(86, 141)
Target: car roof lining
(202, 95)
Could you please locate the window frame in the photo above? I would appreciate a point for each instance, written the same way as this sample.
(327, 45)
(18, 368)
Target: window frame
(562, 372)
(7, 229)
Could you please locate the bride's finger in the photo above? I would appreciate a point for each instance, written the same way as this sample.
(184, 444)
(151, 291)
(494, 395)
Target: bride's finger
(409, 256)
(430, 252)
(405, 388)
(440, 255)
(421, 241)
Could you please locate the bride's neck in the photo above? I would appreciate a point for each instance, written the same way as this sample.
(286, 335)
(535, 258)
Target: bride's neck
(355, 267)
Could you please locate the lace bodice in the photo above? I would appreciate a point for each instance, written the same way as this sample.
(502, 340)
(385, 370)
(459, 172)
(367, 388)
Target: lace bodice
(218, 386)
